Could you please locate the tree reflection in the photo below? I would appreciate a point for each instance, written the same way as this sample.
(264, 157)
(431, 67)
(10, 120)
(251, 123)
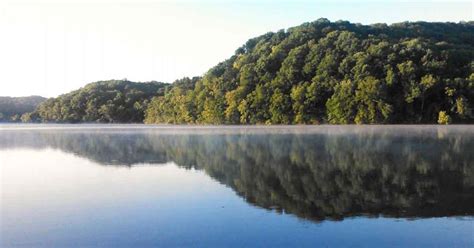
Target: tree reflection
(315, 176)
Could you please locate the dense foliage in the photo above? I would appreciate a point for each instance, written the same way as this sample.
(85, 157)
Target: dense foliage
(12, 108)
(332, 173)
(105, 101)
(335, 72)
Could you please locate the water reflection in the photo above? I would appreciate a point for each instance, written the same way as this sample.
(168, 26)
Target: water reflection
(313, 173)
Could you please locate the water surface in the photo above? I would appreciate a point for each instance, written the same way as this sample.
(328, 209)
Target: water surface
(143, 186)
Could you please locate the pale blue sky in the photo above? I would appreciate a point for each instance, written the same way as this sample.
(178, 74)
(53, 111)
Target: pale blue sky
(52, 47)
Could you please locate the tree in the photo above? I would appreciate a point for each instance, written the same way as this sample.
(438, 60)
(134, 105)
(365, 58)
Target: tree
(371, 102)
(279, 108)
(298, 97)
(443, 118)
(341, 106)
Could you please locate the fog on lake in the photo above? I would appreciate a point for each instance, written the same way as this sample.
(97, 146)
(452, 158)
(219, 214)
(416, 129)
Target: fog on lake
(269, 186)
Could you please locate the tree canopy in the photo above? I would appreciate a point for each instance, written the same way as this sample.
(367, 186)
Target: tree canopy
(12, 108)
(337, 73)
(114, 101)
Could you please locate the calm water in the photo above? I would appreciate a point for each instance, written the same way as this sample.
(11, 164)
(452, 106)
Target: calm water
(143, 186)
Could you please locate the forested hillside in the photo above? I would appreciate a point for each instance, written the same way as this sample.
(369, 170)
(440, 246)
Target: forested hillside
(114, 101)
(12, 108)
(334, 72)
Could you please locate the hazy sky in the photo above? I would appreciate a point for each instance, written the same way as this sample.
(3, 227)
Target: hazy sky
(51, 47)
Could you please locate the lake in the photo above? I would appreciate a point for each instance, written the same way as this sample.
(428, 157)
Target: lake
(207, 186)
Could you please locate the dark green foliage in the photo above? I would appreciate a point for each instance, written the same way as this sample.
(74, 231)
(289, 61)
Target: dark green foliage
(114, 101)
(334, 72)
(12, 108)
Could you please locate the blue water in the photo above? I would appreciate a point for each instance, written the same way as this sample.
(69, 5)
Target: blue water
(135, 186)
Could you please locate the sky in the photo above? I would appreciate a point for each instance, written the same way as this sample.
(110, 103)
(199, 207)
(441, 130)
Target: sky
(50, 47)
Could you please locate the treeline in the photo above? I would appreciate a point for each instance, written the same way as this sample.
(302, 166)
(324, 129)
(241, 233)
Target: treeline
(318, 72)
(337, 73)
(12, 108)
(114, 101)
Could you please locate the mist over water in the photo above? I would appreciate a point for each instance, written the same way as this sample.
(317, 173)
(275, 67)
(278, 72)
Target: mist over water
(129, 185)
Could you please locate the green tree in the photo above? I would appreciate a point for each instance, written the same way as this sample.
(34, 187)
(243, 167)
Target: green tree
(279, 108)
(443, 118)
(371, 102)
(341, 106)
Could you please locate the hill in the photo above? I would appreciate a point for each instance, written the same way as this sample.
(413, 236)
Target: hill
(12, 108)
(111, 101)
(337, 73)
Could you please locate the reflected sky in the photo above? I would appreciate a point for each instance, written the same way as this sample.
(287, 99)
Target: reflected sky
(134, 186)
